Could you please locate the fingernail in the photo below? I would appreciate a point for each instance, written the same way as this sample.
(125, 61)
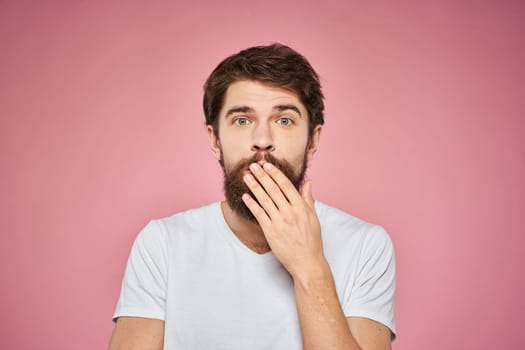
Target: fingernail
(248, 178)
(267, 166)
(255, 167)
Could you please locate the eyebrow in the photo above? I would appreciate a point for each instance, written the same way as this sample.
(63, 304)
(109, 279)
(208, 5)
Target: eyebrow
(246, 109)
(240, 109)
(282, 108)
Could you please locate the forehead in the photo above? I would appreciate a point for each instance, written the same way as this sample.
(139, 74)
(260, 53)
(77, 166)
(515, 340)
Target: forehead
(261, 97)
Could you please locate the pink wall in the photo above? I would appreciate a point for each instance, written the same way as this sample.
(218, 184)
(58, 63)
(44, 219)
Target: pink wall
(101, 130)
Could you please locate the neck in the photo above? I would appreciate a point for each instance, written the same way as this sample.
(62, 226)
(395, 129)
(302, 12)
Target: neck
(248, 232)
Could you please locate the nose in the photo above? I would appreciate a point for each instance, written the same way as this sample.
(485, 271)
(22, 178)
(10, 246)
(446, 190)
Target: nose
(262, 138)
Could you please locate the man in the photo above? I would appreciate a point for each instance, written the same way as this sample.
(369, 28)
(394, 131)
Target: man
(269, 267)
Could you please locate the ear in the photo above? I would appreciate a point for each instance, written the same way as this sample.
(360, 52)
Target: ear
(314, 142)
(215, 144)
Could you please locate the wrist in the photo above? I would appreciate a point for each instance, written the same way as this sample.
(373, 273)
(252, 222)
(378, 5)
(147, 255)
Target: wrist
(316, 274)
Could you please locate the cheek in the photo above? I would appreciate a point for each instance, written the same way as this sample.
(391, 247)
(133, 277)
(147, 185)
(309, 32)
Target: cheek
(230, 144)
(231, 155)
(293, 149)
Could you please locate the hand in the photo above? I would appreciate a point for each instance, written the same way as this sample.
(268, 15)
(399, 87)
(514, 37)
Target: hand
(287, 218)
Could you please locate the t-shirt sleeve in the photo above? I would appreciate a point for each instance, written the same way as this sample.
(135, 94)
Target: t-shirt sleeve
(373, 292)
(143, 292)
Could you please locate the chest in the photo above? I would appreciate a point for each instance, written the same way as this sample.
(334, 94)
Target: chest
(223, 301)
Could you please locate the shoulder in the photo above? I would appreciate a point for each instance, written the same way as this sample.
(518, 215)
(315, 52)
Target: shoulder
(341, 227)
(329, 214)
(191, 218)
(340, 221)
(182, 224)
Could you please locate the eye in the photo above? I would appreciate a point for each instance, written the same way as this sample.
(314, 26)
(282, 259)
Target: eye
(285, 121)
(241, 121)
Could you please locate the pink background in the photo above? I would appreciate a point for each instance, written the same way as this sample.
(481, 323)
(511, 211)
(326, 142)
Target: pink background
(101, 130)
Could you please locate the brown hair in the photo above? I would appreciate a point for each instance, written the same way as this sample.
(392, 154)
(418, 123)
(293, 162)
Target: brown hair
(276, 65)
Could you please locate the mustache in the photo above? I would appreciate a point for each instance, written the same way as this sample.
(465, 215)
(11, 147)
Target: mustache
(283, 165)
(257, 157)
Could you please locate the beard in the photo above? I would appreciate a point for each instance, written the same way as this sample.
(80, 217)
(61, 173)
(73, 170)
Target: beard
(235, 187)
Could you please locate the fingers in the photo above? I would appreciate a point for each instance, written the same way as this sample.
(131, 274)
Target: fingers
(266, 189)
(284, 184)
(257, 211)
(266, 202)
(275, 193)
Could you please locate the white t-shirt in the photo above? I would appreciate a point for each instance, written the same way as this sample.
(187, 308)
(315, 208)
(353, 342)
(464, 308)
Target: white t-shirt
(213, 292)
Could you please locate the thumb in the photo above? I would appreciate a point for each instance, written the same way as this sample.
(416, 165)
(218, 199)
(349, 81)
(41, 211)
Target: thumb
(306, 192)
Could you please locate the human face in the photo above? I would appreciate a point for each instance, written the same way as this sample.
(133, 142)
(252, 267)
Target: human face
(258, 120)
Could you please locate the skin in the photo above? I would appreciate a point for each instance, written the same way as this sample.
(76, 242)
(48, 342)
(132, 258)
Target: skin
(260, 118)
(137, 333)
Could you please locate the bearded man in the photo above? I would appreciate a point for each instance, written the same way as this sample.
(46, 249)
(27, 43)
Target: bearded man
(268, 267)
